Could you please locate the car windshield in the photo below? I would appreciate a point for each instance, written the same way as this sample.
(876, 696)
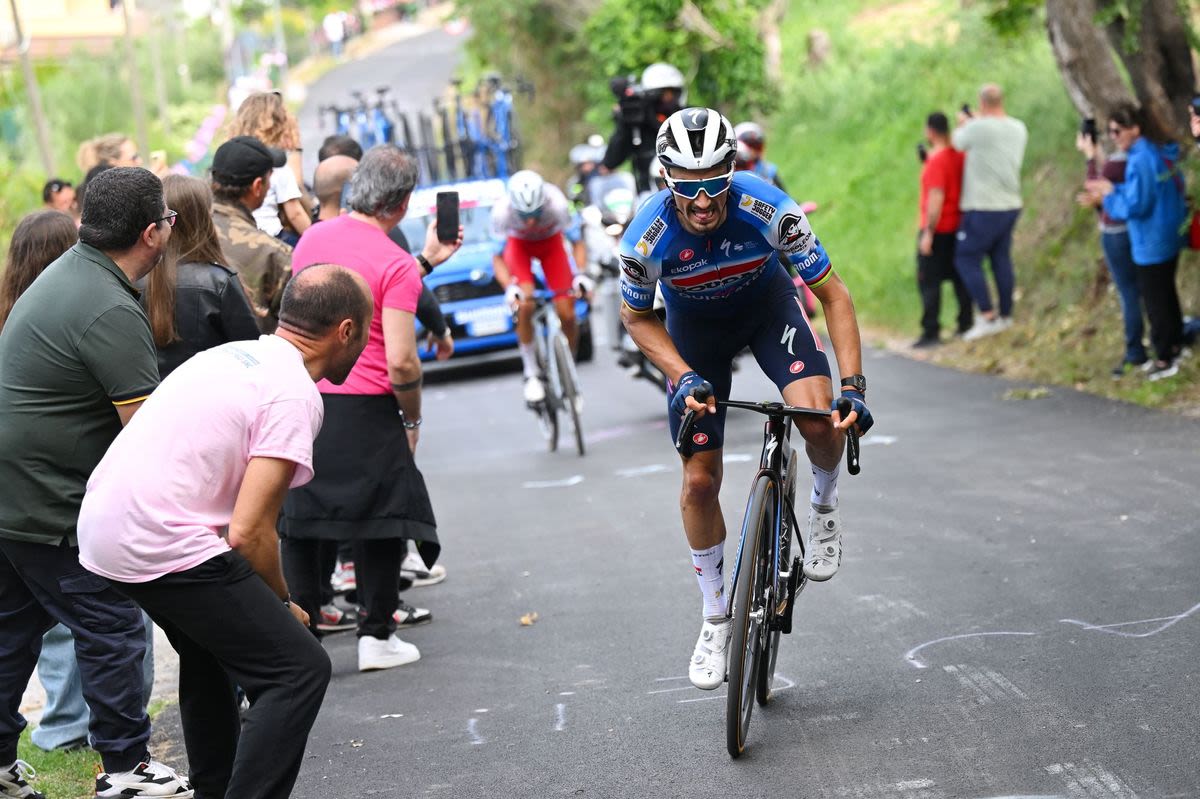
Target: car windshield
(476, 222)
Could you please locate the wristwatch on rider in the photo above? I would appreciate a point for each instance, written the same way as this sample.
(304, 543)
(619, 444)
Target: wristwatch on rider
(856, 382)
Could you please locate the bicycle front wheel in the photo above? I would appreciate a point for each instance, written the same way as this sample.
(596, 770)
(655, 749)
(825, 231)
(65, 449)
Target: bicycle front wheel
(572, 400)
(750, 596)
(547, 409)
(766, 672)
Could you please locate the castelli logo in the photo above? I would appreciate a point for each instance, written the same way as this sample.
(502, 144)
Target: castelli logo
(700, 439)
(797, 367)
(687, 255)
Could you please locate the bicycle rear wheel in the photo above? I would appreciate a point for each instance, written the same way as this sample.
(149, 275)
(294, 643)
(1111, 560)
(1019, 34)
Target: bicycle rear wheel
(766, 671)
(571, 397)
(750, 597)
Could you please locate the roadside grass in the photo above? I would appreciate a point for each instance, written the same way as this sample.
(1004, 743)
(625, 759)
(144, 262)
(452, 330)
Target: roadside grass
(61, 775)
(845, 136)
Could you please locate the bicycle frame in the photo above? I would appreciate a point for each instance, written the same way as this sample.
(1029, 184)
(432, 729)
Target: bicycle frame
(546, 325)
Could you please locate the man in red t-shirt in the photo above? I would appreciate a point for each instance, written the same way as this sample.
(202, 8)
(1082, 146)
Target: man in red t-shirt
(941, 185)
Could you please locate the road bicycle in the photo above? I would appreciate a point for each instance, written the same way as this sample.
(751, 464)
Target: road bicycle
(766, 580)
(557, 368)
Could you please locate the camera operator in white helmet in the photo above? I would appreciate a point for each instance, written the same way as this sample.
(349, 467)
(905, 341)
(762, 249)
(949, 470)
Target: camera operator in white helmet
(641, 110)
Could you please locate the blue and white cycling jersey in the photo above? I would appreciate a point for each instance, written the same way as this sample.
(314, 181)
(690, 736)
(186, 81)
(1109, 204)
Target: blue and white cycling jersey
(728, 269)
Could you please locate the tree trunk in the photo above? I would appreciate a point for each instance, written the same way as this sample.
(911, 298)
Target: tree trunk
(1084, 57)
(1159, 62)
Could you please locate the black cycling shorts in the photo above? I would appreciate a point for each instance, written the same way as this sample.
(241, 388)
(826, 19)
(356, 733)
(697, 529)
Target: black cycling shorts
(776, 330)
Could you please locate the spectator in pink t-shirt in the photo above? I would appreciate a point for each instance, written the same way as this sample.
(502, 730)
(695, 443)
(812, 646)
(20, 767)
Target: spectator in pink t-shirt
(205, 563)
(368, 490)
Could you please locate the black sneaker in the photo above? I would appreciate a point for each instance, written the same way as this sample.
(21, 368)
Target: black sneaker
(926, 342)
(14, 782)
(408, 616)
(1125, 367)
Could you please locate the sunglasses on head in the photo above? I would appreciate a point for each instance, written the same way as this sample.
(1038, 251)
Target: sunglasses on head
(690, 189)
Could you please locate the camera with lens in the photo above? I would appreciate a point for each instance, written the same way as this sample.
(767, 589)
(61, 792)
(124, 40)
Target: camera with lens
(634, 106)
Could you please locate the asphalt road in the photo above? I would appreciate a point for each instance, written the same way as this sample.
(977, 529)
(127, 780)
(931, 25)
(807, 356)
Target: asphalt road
(1016, 614)
(1053, 540)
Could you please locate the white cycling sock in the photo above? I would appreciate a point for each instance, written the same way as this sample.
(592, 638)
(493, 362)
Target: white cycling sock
(710, 573)
(529, 359)
(824, 490)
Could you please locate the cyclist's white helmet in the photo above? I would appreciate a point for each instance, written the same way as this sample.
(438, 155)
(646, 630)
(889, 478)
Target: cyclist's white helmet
(526, 191)
(751, 133)
(696, 138)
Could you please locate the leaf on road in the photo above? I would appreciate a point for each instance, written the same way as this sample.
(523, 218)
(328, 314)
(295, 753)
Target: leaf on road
(529, 619)
(1040, 392)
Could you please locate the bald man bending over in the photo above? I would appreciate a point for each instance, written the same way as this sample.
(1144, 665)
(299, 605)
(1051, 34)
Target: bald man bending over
(239, 421)
(331, 175)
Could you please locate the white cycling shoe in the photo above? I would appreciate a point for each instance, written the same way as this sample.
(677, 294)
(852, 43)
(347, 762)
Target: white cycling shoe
(823, 555)
(534, 391)
(711, 656)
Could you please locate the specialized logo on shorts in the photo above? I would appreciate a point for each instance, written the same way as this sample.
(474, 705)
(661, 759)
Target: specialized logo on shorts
(797, 367)
(653, 233)
(700, 439)
(633, 268)
(687, 255)
(793, 238)
(762, 210)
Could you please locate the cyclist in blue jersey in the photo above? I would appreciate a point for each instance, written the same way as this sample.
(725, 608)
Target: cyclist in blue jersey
(710, 240)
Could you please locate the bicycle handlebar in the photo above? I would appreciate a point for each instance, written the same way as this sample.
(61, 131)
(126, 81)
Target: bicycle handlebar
(775, 410)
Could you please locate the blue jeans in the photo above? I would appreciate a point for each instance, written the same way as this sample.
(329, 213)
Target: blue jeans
(1119, 258)
(66, 716)
(987, 233)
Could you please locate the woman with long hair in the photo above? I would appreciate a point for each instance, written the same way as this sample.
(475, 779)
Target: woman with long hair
(36, 243)
(111, 149)
(266, 118)
(192, 299)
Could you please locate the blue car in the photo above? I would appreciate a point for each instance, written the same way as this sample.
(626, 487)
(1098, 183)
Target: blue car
(465, 285)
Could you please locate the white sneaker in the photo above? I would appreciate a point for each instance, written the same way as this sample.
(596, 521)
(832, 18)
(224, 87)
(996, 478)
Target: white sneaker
(148, 779)
(711, 656)
(343, 579)
(413, 568)
(986, 327)
(14, 781)
(823, 554)
(534, 391)
(376, 654)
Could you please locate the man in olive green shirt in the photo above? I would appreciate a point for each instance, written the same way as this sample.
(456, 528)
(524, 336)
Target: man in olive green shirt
(994, 145)
(241, 177)
(76, 362)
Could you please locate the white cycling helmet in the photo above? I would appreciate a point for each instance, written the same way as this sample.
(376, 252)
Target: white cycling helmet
(696, 138)
(751, 133)
(661, 76)
(526, 191)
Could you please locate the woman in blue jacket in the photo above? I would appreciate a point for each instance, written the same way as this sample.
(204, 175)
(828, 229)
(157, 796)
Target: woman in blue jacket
(1151, 202)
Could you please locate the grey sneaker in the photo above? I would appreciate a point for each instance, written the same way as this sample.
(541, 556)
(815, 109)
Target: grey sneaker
(14, 782)
(823, 555)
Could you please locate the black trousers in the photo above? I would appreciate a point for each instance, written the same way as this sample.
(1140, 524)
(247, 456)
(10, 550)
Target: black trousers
(933, 270)
(376, 569)
(1161, 298)
(230, 629)
(41, 584)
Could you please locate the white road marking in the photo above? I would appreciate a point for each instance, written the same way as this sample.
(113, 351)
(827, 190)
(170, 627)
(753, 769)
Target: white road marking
(392, 716)
(880, 441)
(567, 693)
(1111, 629)
(779, 678)
(560, 717)
(638, 471)
(573, 480)
(737, 457)
(1088, 780)
(917, 663)
(987, 685)
(473, 731)
(900, 608)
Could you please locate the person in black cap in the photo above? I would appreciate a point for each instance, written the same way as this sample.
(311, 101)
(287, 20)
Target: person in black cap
(241, 177)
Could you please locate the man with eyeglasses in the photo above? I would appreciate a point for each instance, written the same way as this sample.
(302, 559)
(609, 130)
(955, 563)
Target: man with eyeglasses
(78, 362)
(710, 241)
(531, 222)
